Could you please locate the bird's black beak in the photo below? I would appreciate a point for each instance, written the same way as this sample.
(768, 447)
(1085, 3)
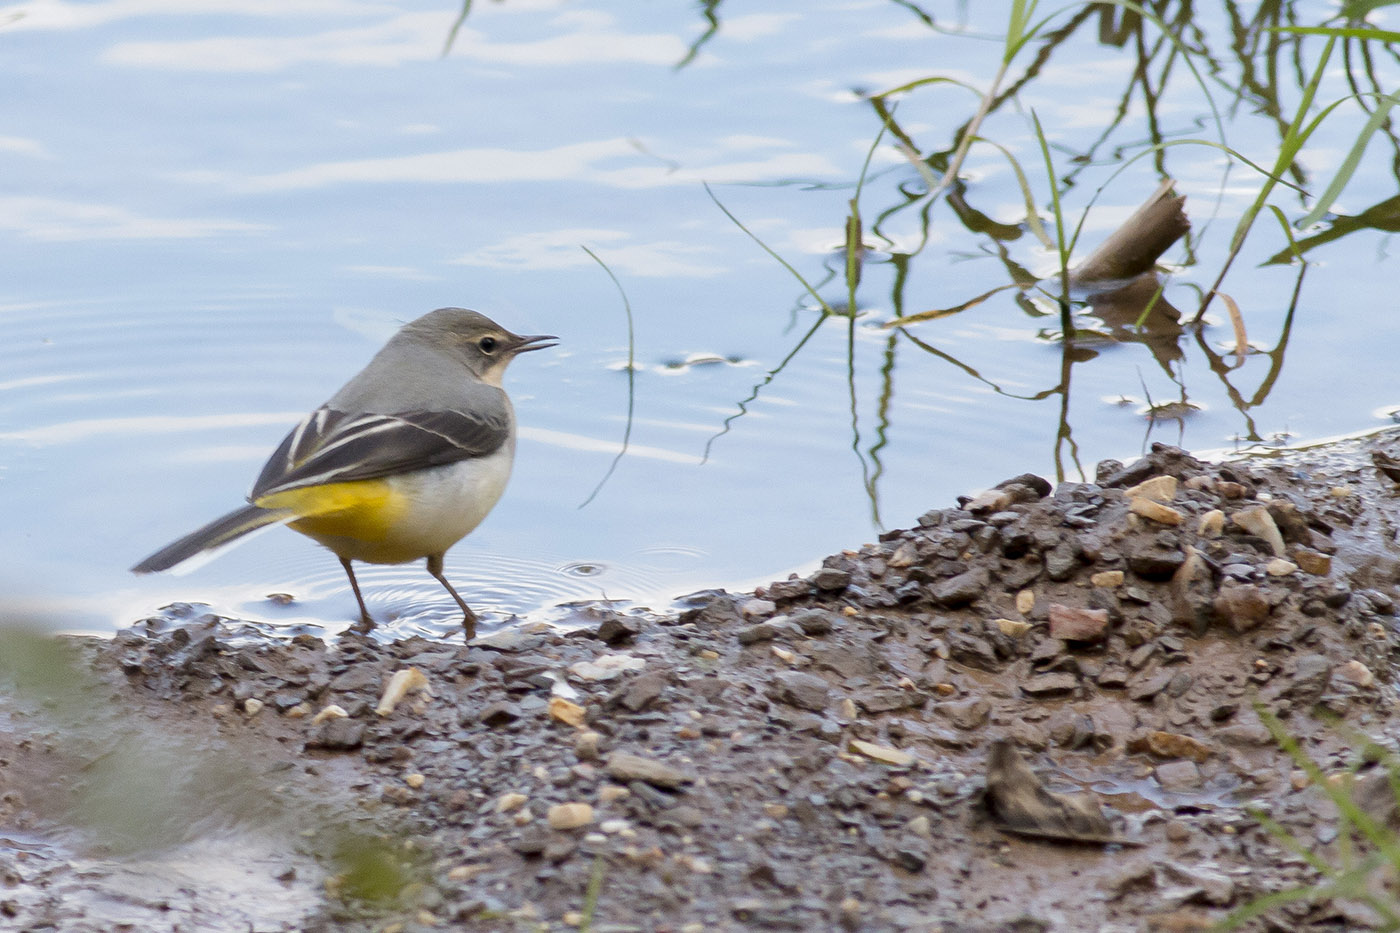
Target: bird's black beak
(536, 342)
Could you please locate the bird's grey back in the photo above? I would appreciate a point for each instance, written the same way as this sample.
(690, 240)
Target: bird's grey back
(414, 371)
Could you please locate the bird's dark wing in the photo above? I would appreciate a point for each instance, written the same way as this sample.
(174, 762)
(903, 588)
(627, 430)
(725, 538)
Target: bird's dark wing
(332, 446)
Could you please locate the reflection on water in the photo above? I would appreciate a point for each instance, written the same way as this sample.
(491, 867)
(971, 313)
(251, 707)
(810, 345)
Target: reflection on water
(215, 214)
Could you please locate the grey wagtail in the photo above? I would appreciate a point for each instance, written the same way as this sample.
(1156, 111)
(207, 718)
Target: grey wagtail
(402, 463)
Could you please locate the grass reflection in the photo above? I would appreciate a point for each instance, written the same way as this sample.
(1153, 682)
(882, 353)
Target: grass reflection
(1192, 81)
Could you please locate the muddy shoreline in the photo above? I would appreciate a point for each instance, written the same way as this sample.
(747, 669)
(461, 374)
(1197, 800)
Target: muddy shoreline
(810, 756)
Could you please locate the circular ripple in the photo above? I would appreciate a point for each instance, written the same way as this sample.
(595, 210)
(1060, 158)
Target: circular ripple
(582, 569)
(311, 593)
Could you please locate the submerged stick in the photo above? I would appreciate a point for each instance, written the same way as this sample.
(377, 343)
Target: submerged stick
(1135, 247)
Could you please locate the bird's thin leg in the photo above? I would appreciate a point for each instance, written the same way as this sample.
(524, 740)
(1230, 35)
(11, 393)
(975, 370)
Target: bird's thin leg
(366, 623)
(468, 617)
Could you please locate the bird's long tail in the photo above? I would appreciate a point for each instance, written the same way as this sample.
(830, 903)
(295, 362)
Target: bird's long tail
(217, 533)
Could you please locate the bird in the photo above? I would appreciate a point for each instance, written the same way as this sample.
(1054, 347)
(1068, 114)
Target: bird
(404, 461)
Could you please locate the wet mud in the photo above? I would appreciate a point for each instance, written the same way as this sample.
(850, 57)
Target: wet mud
(1039, 709)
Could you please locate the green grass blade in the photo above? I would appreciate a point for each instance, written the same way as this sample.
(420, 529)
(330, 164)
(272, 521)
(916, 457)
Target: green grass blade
(595, 887)
(456, 27)
(922, 82)
(1340, 32)
(1293, 140)
(1352, 160)
(1353, 10)
(1032, 215)
(631, 378)
(1016, 33)
(708, 10)
(1340, 798)
(1288, 233)
(1291, 842)
(1294, 137)
(1060, 245)
(826, 308)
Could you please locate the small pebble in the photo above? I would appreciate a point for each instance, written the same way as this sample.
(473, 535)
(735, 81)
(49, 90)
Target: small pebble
(1211, 524)
(754, 609)
(993, 500)
(1156, 511)
(883, 753)
(570, 815)
(586, 745)
(1013, 627)
(1357, 673)
(1258, 522)
(609, 793)
(401, 684)
(1179, 775)
(623, 766)
(1159, 488)
(561, 710)
(1071, 623)
(1242, 607)
(1313, 562)
(607, 666)
(1107, 578)
(510, 802)
(330, 712)
(904, 556)
(1174, 745)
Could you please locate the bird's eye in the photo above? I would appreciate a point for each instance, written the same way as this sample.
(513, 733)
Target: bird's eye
(487, 344)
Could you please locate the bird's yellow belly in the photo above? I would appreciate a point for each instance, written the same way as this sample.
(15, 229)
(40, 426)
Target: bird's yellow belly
(400, 518)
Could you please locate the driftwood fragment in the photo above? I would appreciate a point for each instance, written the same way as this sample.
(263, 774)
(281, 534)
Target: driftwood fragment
(1134, 248)
(1019, 803)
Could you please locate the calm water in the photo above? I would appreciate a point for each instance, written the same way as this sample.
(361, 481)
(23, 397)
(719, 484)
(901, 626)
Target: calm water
(212, 214)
